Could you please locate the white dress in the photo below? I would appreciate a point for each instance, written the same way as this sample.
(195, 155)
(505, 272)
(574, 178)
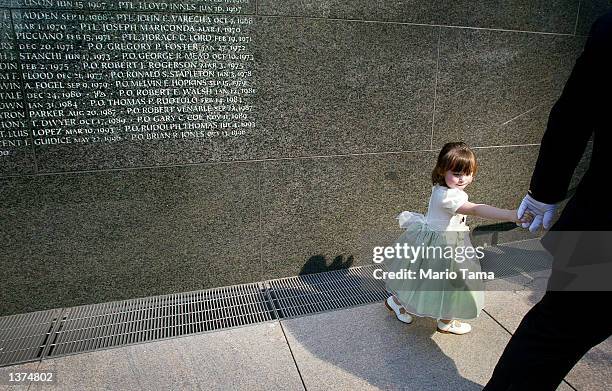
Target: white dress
(442, 227)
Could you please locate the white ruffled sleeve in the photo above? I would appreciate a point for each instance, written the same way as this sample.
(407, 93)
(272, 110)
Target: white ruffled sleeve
(453, 199)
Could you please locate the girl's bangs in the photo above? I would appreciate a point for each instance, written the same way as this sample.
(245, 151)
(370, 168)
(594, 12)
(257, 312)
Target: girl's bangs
(463, 164)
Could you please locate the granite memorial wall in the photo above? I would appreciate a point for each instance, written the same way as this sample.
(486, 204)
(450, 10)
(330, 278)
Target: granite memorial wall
(151, 147)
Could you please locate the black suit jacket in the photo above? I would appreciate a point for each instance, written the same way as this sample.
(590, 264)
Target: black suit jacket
(581, 239)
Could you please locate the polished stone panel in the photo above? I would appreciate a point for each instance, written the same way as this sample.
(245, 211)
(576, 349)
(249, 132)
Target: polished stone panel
(557, 16)
(321, 88)
(96, 237)
(339, 87)
(589, 11)
(502, 181)
(503, 175)
(329, 213)
(150, 90)
(407, 11)
(497, 88)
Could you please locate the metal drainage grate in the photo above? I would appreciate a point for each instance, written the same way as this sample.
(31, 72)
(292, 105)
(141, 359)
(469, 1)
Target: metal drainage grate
(87, 328)
(105, 325)
(311, 293)
(23, 337)
(55, 333)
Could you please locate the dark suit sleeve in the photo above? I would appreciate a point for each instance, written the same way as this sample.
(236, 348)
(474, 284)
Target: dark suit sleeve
(573, 117)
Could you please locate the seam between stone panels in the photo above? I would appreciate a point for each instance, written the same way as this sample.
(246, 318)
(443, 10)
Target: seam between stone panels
(507, 30)
(506, 146)
(414, 24)
(577, 17)
(511, 333)
(246, 161)
(433, 114)
(297, 367)
(34, 7)
(522, 114)
(569, 385)
(38, 364)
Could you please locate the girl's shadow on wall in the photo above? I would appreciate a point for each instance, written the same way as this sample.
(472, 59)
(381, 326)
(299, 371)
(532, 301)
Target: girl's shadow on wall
(318, 264)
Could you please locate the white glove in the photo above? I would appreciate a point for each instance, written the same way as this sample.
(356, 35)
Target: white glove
(542, 213)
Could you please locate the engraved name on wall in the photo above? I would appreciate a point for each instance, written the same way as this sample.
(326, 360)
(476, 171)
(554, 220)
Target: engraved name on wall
(76, 85)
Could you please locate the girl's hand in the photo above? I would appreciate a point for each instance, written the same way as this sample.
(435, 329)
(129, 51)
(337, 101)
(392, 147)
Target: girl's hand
(527, 217)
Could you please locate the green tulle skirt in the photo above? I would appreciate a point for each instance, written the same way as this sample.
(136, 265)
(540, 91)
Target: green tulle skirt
(435, 291)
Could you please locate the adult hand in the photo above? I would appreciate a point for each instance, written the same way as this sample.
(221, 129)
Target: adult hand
(542, 213)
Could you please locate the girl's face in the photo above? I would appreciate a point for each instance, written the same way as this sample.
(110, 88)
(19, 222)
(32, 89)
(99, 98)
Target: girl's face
(457, 180)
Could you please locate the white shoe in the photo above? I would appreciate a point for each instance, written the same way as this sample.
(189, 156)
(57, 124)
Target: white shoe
(454, 327)
(392, 306)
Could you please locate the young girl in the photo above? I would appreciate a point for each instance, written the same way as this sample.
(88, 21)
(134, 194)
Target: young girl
(427, 285)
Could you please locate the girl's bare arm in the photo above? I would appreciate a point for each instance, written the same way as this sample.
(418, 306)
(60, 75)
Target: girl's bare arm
(488, 212)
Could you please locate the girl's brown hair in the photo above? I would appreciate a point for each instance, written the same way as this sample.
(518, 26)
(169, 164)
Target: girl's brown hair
(455, 157)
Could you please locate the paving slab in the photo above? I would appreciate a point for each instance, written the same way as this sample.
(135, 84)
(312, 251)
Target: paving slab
(508, 300)
(4, 376)
(509, 306)
(592, 372)
(254, 357)
(109, 369)
(367, 348)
